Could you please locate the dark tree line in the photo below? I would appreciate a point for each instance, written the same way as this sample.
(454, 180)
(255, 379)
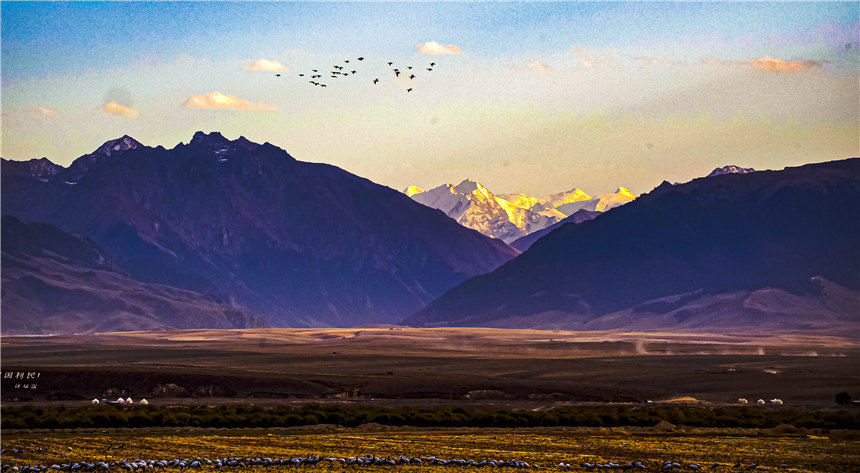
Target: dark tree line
(350, 416)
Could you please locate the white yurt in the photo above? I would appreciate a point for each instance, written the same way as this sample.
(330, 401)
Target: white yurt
(144, 402)
(94, 401)
(129, 401)
(776, 401)
(743, 400)
(760, 401)
(120, 400)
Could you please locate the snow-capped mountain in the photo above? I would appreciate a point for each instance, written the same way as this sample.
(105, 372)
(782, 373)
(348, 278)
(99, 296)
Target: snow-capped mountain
(757, 252)
(109, 149)
(730, 169)
(601, 203)
(511, 216)
(474, 206)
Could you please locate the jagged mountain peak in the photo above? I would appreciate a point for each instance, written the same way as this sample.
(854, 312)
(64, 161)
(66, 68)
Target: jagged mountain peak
(624, 191)
(118, 145)
(730, 169)
(467, 186)
(211, 137)
(41, 168)
(215, 141)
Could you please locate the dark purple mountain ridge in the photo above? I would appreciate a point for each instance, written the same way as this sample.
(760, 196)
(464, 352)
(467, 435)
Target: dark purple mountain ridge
(674, 253)
(295, 243)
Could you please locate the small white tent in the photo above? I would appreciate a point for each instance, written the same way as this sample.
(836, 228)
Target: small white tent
(94, 401)
(144, 402)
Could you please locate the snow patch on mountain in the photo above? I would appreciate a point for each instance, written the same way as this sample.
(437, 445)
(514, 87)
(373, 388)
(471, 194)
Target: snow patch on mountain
(730, 169)
(474, 206)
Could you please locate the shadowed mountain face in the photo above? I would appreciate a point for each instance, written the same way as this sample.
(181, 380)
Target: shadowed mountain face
(523, 243)
(297, 243)
(56, 282)
(794, 231)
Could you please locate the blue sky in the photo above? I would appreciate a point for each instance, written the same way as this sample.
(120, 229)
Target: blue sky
(529, 73)
(58, 38)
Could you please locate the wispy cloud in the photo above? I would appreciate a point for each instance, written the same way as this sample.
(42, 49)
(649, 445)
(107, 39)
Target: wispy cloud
(538, 66)
(265, 65)
(590, 59)
(114, 108)
(219, 101)
(47, 111)
(433, 47)
(768, 63)
(765, 63)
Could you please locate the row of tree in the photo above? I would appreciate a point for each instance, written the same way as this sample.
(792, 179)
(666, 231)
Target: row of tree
(29, 417)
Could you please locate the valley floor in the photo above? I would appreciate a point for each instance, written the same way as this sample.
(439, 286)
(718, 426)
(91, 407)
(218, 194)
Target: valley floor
(530, 369)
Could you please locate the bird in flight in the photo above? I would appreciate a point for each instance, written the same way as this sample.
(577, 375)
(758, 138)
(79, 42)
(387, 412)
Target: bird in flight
(361, 59)
(277, 75)
(301, 75)
(432, 63)
(375, 81)
(429, 69)
(411, 76)
(397, 73)
(347, 61)
(409, 90)
(390, 63)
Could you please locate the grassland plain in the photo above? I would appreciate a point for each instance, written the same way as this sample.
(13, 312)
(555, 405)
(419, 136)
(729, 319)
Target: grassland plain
(531, 368)
(825, 452)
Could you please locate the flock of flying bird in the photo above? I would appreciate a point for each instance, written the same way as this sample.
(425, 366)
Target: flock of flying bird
(199, 463)
(345, 71)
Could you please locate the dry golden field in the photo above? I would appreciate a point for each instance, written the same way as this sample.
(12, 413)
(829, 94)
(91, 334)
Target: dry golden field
(548, 447)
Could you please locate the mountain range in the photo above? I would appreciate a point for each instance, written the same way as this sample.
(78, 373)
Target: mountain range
(762, 250)
(241, 226)
(219, 233)
(509, 217)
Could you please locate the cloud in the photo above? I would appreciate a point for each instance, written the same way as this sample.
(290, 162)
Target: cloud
(47, 111)
(768, 63)
(265, 65)
(433, 47)
(219, 101)
(591, 59)
(114, 108)
(764, 63)
(538, 66)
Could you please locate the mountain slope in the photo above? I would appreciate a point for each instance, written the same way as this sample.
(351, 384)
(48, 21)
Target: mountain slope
(297, 243)
(525, 242)
(735, 233)
(57, 282)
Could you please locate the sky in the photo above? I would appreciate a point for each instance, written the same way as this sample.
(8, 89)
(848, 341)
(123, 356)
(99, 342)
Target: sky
(532, 98)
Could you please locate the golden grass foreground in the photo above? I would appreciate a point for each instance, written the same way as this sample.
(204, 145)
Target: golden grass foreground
(827, 452)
